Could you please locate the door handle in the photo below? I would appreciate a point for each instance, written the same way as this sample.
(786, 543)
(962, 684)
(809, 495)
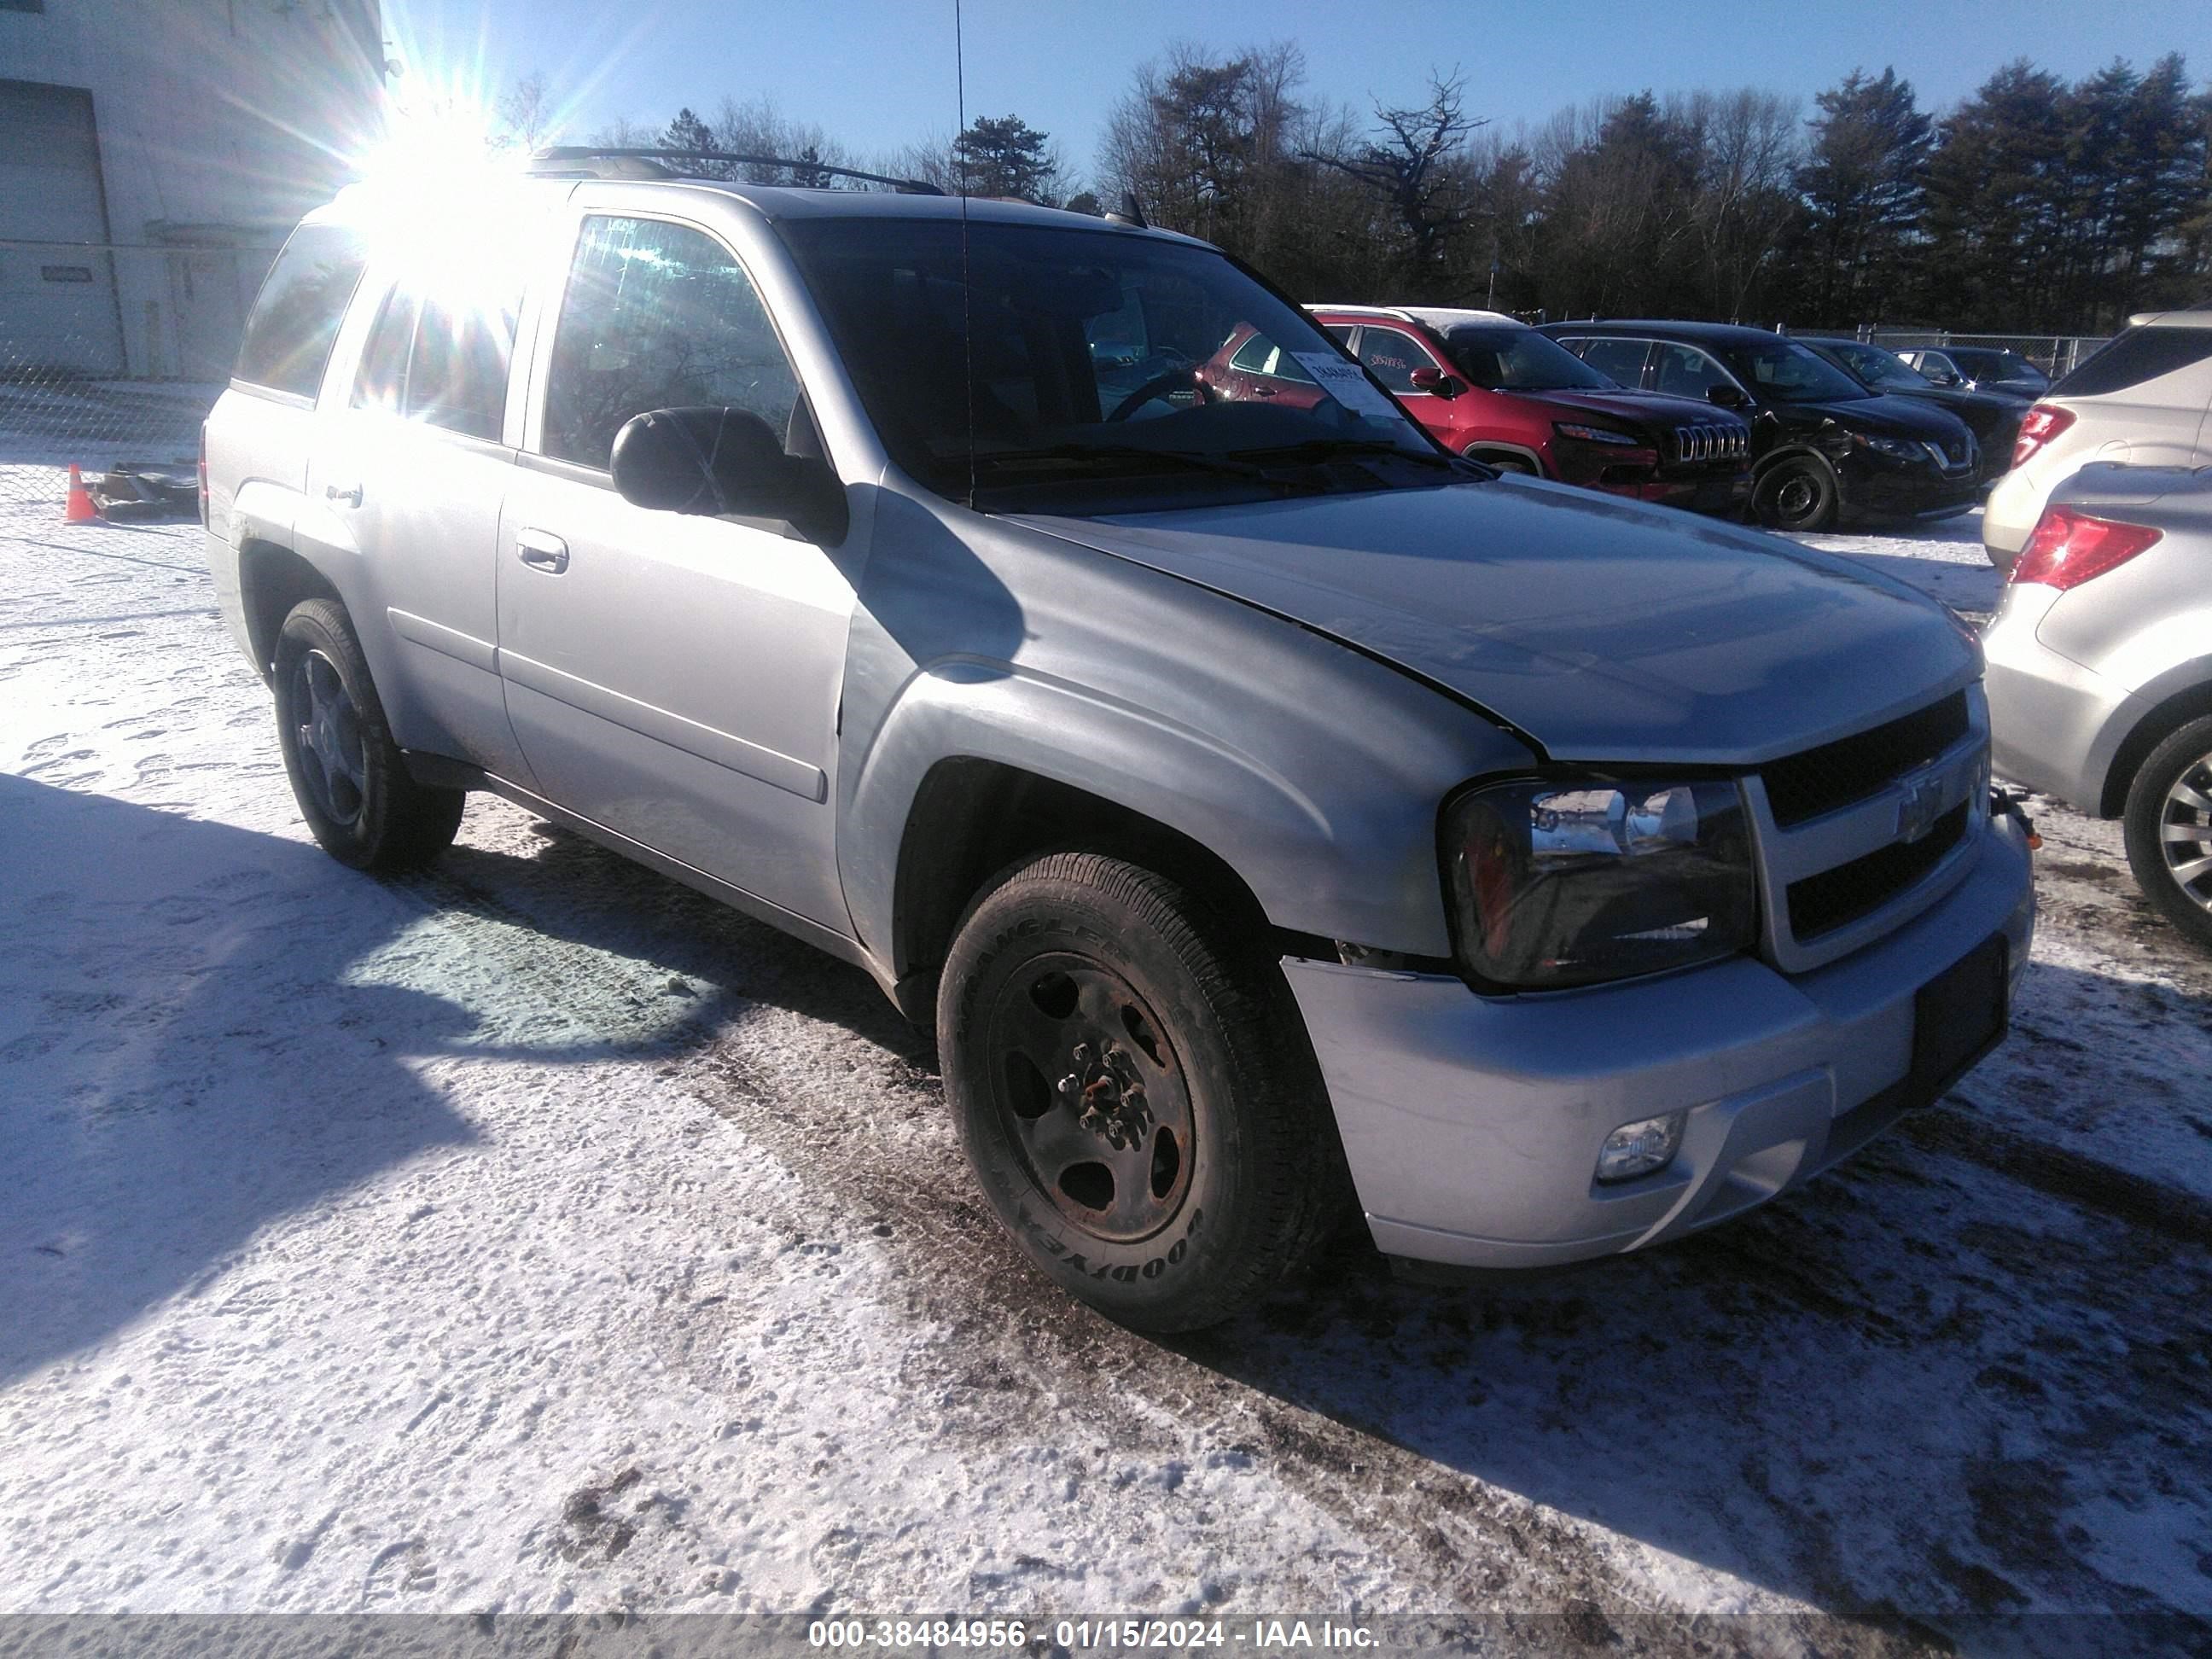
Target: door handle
(541, 551)
(351, 496)
(1263, 392)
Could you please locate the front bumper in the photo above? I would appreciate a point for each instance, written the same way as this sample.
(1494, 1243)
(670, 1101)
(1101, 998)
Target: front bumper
(1909, 492)
(1472, 1125)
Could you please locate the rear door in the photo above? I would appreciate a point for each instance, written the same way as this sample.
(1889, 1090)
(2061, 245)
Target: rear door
(672, 677)
(1620, 360)
(410, 469)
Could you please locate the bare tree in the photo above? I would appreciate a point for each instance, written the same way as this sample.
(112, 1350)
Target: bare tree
(526, 118)
(1416, 164)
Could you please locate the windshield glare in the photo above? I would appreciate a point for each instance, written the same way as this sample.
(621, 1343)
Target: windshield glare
(1985, 364)
(1878, 367)
(1071, 354)
(1789, 373)
(1499, 358)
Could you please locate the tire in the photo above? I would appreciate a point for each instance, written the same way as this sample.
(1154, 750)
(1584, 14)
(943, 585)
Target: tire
(352, 786)
(2169, 830)
(1797, 494)
(1135, 1093)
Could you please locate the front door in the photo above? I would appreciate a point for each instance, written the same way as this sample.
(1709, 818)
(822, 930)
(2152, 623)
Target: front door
(674, 677)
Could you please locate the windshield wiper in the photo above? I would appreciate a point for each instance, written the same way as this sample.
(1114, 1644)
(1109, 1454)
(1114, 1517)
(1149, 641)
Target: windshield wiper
(1312, 451)
(1186, 459)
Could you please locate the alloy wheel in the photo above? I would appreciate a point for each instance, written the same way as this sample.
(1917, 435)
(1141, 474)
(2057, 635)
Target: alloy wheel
(2185, 832)
(326, 730)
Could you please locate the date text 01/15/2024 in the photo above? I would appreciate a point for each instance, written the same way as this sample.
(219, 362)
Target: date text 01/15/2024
(1172, 1635)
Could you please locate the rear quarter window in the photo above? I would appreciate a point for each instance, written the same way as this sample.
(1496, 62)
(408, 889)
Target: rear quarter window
(2139, 354)
(295, 318)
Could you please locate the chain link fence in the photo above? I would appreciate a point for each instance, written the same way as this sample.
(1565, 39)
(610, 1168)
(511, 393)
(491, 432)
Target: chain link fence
(111, 354)
(2054, 354)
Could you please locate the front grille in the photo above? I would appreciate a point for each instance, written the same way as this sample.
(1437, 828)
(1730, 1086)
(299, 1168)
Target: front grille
(1851, 768)
(1711, 441)
(1820, 905)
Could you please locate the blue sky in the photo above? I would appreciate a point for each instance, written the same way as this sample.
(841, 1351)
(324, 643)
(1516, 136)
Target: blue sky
(878, 75)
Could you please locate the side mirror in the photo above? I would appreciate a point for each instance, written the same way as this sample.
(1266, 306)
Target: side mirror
(716, 461)
(1725, 396)
(1943, 377)
(1435, 381)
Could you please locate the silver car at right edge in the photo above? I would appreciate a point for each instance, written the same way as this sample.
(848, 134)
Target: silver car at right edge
(2100, 672)
(2144, 399)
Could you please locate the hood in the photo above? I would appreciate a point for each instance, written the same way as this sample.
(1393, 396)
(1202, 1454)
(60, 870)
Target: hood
(1605, 630)
(1640, 408)
(1888, 414)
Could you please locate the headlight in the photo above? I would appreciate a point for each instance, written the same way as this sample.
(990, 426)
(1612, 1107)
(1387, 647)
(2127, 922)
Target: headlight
(1565, 882)
(1593, 435)
(1898, 449)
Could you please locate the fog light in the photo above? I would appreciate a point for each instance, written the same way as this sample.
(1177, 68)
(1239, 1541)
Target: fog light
(1638, 1148)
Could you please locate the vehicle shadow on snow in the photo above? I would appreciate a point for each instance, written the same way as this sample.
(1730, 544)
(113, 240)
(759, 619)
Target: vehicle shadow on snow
(1954, 1378)
(182, 1058)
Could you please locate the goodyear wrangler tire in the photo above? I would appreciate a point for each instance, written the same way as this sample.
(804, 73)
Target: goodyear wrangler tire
(348, 775)
(1135, 1093)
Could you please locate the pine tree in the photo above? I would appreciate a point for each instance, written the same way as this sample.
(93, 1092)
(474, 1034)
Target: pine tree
(1003, 156)
(1863, 189)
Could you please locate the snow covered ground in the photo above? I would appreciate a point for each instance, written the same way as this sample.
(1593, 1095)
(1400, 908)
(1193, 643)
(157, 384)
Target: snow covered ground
(536, 1236)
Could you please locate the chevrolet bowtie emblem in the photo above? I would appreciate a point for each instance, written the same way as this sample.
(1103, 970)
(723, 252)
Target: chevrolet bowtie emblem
(1921, 806)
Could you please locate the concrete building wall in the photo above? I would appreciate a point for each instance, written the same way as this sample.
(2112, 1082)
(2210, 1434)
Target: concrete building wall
(214, 125)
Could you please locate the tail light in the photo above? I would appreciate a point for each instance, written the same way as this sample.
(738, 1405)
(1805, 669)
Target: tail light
(2070, 548)
(2038, 428)
(204, 488)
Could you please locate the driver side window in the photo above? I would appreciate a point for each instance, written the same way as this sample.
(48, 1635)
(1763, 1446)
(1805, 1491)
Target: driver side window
(1393, 356)
(657, 316)
(1686, 372)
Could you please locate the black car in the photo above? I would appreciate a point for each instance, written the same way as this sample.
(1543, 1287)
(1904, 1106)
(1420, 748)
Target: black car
(1978, 368)
(1994, 417)
(1823, 447)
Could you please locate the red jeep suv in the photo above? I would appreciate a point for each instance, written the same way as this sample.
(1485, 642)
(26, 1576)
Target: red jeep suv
(1495, 389)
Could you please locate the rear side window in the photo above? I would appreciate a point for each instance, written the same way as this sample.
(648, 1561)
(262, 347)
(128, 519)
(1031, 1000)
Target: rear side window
(381, 380)
(287, 339)
(658, 316)
(1621, 359)
(2139, 354)
(441, 361)
(457, 373)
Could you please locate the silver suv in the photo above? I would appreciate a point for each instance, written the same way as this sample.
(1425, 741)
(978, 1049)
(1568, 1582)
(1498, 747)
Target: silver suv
(1265, 805)
(2101, 670)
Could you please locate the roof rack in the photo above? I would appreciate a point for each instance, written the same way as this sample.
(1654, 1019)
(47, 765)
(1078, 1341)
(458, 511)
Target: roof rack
(550, 161)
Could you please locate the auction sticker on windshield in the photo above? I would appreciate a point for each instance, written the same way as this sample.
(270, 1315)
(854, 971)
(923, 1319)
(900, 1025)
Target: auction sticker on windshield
(1347, 384)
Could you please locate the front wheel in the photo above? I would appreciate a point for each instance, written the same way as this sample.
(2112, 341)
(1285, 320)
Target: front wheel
(2169, 830)
(1795, 494)
(1135, 1093)
(348, 775)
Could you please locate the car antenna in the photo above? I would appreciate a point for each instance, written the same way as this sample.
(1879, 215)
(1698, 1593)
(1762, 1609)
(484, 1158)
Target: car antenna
(967, 289)
(1132, 213)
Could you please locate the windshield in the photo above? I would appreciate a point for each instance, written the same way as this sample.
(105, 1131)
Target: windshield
(1985, 364)
(1877, 368)
(1787, 373)
(1499, 358)
(1094, 357)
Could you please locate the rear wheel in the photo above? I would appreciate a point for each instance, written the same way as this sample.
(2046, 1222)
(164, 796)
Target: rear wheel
(1519, 465)
(348, 775)
(1795, 494)
(1135, 1093)
(2169, 830)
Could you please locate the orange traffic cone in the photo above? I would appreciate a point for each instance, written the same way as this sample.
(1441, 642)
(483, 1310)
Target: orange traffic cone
(80, 509)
